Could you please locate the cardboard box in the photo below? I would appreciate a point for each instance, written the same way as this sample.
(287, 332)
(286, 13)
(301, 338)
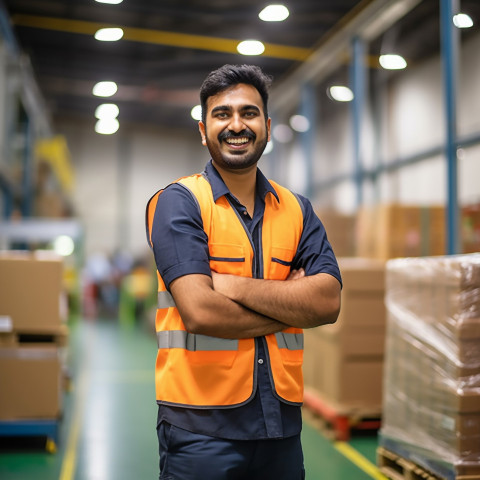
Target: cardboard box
(388, 231)
(347, 380)
(340, 230)
(30, 290)
(30, 379)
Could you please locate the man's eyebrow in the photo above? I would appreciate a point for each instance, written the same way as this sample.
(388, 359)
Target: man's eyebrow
(223, 108)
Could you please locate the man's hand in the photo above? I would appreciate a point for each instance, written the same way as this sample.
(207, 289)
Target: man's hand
(299, 301)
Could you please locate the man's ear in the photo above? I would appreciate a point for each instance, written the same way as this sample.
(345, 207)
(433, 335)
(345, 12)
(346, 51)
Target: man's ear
(269, 122)
(201, 128)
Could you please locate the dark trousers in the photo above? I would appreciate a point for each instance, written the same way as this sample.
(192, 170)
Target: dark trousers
(191, 456)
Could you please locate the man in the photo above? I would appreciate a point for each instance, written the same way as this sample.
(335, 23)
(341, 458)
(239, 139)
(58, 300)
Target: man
(243, 266)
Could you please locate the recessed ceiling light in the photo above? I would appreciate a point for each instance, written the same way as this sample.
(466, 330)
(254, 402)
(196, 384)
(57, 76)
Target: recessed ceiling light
(462, 20)
(251, 47)
(340, 93)
(196, 112)
(112, 2)
(282, 133)
(107, 110)
(109, 34)
(299, 123)
(104, 89)
(392, 62)
(274, 13)
(107, 126)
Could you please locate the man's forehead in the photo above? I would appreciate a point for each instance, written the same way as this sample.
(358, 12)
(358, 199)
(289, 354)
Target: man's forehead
(236, 96)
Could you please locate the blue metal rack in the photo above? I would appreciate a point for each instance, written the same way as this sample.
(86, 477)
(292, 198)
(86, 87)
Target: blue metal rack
(32, 428)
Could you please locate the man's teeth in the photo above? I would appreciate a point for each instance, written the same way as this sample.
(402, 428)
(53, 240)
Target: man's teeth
(237, 141)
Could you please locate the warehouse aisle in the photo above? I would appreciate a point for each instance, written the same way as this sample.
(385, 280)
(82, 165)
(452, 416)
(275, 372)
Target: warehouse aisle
(108, 428)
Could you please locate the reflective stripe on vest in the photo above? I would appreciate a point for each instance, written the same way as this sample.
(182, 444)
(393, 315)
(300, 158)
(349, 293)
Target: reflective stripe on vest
(193, 342)
(165, 300)
(291, 341)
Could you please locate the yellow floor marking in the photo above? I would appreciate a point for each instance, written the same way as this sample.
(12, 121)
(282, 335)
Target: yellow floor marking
(359, 460)
(70, 458)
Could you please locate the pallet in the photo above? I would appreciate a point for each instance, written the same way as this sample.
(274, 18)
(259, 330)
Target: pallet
(14, 338)
(395, 467)
(339, 421)
(32, 428)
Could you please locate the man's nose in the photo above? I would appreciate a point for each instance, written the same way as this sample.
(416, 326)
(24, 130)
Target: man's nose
(236, 123)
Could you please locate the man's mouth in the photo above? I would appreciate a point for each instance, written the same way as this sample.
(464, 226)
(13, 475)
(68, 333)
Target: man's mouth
(237, 141)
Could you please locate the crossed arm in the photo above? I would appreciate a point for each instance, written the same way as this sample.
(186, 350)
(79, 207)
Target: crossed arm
(229, 306)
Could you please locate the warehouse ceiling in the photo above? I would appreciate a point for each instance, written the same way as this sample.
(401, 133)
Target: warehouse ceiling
(169, 46)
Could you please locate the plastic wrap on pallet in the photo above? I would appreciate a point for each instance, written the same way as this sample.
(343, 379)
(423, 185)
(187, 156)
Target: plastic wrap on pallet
(431, 403)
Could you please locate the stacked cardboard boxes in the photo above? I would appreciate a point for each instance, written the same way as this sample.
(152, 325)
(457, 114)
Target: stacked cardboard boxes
(340, 229)
(32, 336)
(344, 361)
(392, 230)
(431, 411)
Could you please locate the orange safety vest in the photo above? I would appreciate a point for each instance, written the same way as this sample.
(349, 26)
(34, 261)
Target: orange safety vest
(200, 371)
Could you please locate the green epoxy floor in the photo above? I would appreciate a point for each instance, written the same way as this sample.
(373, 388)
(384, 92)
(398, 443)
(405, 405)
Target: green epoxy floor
(107, 431)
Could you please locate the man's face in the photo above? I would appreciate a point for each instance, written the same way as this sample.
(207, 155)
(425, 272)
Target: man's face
(235, 130)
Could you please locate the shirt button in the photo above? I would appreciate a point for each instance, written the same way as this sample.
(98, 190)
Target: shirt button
(260, 361)
(245, 212)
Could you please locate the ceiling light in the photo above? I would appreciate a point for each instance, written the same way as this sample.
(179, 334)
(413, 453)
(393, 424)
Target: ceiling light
(109, 34)
(340, 93)
(392, 62)
(274, 13)
(268, 148)
(299, 123)
(462, 20)
(107, 110)
(282, 133)
(196, 112)
(104, 89)
(63, 245)
(107, 126)
(251, 47)
(112, 2)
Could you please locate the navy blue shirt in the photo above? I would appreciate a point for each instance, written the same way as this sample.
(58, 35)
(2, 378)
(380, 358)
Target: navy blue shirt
(180, 247)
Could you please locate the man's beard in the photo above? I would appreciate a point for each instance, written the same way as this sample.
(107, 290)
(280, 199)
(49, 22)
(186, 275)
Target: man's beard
(240, 160)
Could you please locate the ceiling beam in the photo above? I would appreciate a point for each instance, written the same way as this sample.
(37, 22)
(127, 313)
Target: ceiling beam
(158, 37)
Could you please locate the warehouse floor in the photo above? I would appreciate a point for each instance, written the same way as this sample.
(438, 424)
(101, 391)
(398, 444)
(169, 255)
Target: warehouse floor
(107, 431)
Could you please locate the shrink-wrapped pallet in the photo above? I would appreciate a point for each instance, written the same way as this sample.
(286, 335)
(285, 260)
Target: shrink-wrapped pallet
(431, 400)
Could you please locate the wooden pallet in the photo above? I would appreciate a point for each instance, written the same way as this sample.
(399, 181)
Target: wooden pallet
(339, 421)
(58, 336)
(395, 467)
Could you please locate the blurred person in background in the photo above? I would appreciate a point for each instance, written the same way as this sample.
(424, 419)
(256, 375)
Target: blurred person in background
(244, 265)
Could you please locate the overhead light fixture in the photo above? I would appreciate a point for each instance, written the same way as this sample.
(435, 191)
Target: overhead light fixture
(107, 110)
(340, 93)
(392, 62)
(274, 13)
(299, 123)
(251, 47)
(268, 148)
(462, 20)
(111, 2)
(282, 133)
(105, 89)
(63, 245)
(109, 34)
(196, 112)
(107, 126)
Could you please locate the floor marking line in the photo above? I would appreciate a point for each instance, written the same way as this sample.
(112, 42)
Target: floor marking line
(359, 460)
(70, 459)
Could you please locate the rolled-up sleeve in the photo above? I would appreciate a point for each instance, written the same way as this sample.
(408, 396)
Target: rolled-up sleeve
(180, 244)
(314, 253)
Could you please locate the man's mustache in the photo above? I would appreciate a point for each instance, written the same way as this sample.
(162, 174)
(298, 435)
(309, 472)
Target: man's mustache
(244, 133)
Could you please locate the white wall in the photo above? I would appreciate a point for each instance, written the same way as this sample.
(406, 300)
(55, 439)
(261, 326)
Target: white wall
(115, 175)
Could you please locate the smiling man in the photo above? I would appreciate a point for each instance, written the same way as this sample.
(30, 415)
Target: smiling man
(244, 265)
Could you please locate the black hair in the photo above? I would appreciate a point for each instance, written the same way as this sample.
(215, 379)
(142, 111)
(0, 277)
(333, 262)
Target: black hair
(231, 75)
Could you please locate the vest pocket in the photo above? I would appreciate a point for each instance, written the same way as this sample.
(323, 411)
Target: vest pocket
(280, 262)
(225, 258)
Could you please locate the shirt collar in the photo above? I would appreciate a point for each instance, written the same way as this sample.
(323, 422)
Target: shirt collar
(219, 188)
